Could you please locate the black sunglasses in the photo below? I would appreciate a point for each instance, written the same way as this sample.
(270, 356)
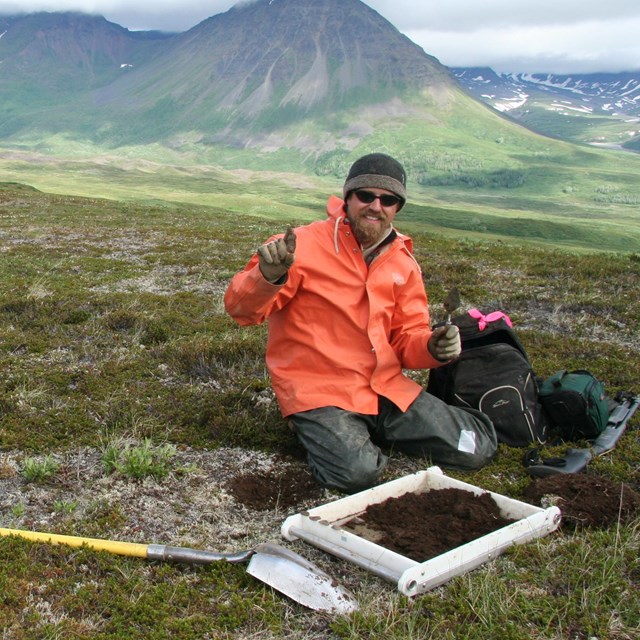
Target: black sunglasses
(367, 197)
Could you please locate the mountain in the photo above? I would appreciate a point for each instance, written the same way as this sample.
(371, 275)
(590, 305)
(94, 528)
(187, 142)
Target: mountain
(50, 59)
(63, 53)
(252, 68)
(566, 106)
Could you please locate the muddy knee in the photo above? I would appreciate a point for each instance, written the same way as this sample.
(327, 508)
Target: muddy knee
(353, 477)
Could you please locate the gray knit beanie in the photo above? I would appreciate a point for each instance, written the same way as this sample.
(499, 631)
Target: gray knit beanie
(380, 171)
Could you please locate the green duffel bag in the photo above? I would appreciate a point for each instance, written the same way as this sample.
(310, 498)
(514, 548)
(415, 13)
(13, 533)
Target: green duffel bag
(575, 403)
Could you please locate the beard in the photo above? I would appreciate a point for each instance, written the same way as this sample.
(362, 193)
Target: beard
(368, 234)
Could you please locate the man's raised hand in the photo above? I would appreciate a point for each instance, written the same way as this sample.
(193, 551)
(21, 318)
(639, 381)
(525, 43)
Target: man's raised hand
(275, 257)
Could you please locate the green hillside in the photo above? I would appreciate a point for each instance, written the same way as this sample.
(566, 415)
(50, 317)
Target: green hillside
(471, 173)
(576, 126)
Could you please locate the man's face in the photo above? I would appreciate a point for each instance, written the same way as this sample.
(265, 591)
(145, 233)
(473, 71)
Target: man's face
(369, 217)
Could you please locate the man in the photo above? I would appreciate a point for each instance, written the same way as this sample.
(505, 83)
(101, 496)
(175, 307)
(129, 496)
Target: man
(347, 312)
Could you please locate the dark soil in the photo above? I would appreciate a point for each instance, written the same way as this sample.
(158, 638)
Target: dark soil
(585, 500)
(422, 526)
(284, 489)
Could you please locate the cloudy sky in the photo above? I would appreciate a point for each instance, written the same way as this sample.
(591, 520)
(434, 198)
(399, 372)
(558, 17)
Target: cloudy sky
(558, 36)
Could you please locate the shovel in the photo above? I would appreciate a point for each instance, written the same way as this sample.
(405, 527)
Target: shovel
(451, 303)
(274, 565)
(575, 460)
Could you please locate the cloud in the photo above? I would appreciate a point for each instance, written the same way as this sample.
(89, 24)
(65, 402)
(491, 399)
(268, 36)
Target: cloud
(470, 15)
(573, 36)
(567, 36)
(584, 47)
(164, 15)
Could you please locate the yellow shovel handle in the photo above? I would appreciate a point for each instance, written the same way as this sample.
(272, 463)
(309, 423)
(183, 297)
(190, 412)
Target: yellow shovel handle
(133, 549)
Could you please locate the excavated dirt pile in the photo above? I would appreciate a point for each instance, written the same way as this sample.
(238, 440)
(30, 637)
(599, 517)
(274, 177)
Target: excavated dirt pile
(585, 499)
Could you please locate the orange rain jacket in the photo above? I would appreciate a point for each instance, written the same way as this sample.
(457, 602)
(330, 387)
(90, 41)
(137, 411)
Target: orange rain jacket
(340, 332)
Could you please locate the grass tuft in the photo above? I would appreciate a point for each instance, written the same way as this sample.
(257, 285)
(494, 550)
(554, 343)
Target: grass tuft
(36, 470)
(139, 461)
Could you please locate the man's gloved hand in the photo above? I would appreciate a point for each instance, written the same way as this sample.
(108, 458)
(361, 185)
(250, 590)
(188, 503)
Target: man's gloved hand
(444, 343)
(275, 257)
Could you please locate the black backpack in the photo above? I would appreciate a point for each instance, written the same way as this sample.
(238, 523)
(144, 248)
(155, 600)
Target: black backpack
(494, 375)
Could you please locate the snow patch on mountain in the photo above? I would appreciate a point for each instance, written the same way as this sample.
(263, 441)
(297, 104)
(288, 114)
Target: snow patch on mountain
(610, 94)
(509, 104)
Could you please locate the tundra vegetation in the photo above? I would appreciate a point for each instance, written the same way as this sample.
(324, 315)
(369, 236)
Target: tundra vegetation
(129, 401)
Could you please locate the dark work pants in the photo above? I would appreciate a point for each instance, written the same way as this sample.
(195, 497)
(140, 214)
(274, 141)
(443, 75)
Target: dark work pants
(343, 447)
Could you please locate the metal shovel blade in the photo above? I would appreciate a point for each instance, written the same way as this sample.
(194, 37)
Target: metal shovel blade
(299, 579)
(451, 303)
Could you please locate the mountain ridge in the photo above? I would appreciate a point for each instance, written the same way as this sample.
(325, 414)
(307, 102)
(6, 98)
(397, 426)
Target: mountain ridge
(541, 101)
(313, 65)
(86, 50)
